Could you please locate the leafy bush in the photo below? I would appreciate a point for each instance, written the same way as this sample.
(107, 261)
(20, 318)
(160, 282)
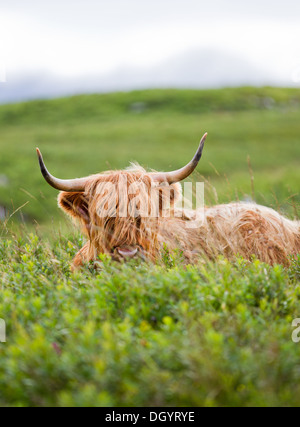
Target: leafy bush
(139, 334)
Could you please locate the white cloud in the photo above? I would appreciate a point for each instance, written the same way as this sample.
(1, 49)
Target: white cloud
(77, 39)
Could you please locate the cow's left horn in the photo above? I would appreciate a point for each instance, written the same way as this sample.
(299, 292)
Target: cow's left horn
(180, 174)
(72, 185)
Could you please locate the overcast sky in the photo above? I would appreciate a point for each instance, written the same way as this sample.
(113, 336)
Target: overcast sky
(58, 47)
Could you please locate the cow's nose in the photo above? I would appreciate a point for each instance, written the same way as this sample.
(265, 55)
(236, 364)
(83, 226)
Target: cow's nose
(124, 252)
(127, 252)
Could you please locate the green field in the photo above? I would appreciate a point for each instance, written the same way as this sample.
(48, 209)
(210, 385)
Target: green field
(160, 130)
(213, 334)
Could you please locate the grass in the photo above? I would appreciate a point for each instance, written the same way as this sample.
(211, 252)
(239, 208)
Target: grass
(212, 334)
(159, 129)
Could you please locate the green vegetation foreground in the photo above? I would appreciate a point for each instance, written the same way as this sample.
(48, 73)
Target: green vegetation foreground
(139, 334)
(214, 334)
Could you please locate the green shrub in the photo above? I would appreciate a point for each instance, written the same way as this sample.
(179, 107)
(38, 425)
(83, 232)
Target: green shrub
(140, 334)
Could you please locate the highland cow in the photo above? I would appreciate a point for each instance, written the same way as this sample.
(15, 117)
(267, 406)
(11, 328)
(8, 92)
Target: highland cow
(133, 213)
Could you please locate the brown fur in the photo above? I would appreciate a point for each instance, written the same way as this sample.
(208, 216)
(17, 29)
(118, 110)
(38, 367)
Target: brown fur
(230, 230)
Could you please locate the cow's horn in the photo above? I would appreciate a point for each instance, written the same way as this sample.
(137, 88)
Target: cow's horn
(180, 174)
(72, 185)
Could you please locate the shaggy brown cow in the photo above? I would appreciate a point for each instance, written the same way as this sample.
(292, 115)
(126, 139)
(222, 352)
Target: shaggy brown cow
(133, 213)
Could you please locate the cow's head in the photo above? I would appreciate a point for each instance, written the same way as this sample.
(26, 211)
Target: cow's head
(120, 211)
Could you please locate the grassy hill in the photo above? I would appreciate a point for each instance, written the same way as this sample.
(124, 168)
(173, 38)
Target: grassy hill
(159, 129)
(212, 334)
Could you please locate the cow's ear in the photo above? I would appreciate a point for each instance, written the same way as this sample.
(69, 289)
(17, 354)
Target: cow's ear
(74, 204)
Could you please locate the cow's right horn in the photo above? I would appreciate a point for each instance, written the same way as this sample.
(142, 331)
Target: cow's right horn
(183, 173)
(72, 185)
